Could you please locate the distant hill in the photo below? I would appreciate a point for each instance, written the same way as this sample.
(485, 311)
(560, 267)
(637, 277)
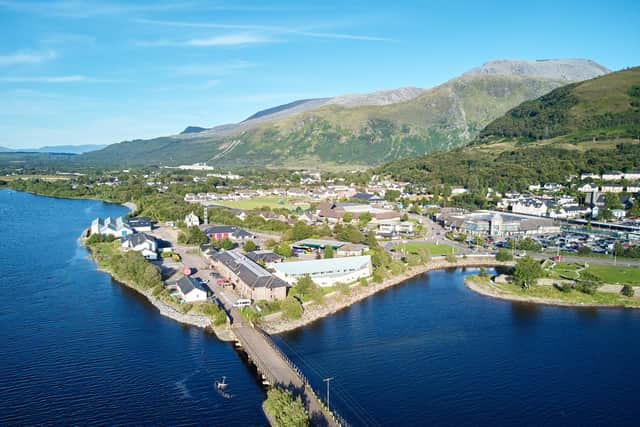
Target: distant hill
(192, 129)
(70, 149)
(361, 129)
(592, 126)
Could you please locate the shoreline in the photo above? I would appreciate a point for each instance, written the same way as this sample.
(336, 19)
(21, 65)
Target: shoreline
(273, 324)
(491, 291)
(200, 321)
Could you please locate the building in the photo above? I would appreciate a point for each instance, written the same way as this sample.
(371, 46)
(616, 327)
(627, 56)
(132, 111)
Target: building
(192, 220)
(264, 257)
(495, 224)
(250, 279)
(589, 175)
(228, 231)
(325, 272)
(588, 188)
(632, 175)
(190, 290)
(612, 176)
(369, 198)
(351, 249)
(334, 212)
(140, 224)
(529, 206)
(110, 226)
(143, 243)
(308, 245)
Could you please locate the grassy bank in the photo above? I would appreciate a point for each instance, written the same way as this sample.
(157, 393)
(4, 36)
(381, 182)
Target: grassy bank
(549, 294)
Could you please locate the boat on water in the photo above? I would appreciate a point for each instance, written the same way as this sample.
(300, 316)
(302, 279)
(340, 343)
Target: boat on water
(222, 385)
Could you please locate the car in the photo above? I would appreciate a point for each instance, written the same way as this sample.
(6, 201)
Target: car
(242, 302)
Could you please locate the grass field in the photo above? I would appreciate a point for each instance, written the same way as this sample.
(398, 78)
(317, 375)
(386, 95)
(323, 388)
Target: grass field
(435, 250)
(616, 274)
(260, 202)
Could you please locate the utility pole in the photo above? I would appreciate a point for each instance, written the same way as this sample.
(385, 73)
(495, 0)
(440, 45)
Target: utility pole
(328, 380)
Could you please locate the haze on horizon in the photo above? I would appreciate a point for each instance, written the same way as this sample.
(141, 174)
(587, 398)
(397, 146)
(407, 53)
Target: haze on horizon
(88, 72)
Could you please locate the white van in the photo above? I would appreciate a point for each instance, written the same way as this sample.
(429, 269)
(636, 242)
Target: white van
(242, 302)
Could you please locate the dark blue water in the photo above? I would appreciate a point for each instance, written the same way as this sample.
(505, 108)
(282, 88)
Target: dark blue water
(77, 348)
(431, 352)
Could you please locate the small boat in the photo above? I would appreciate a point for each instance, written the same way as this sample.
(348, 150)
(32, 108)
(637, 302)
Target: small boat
(221, 385)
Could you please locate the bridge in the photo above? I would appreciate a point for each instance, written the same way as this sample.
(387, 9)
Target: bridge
(272, 364)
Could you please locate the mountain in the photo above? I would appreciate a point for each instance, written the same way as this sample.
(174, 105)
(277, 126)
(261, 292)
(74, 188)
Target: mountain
(68, 149)
(361, 129)
(591, 126)
(192, 129)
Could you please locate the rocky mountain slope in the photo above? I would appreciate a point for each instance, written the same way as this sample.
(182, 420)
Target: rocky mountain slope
(361, 129)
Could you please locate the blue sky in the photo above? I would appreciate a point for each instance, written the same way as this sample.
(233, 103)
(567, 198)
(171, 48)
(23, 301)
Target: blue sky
(89, 72)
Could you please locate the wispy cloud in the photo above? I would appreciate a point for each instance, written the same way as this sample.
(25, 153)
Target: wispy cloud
(216, 69)
(71, 78)
(264, 29)
(88, 8)
(20, 58)
(239, 39)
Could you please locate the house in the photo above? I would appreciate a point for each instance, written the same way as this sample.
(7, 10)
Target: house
(192, 220)
(618, 213)
(140, 224)
(325, 272)
(633, 189)
(632, 175)
(589, 175)
(612, 188)
(455, 191)
(334, 212)
(588, 188)
(143, 243)
(612, 176)
(309, 245)
(232, 232)
(110, 226)
(264, 257)
(529, 206)
(190, 290)
(351, 249)
(369, 198)
(250, 279)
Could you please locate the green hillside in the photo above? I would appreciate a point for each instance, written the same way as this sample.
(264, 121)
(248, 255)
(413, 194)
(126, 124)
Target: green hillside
(602, 108)
(591, 127)
(335, 136)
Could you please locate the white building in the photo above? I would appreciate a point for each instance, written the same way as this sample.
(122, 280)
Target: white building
(589, 176)
(588, 188)
(612, 189)
(618, 213)
(143, 243)
(529, 206)
(612, 176)
(325, 272)
(192, 220)
(632, 175)
(190, 290)
(109, 226)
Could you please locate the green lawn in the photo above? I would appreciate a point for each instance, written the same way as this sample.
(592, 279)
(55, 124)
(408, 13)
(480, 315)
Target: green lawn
(616, 274)
(259, 202)
(435, 250)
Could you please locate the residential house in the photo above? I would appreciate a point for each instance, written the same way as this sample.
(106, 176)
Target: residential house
(264, 257)
(455, 191)
(589, 175)
(618, 213)
(249, 279)
(588, 188)
(632, 175)
(612, 176)
(140, 224)
(110, 226)
(325, 272)
(351, 249)
(612, 188)
(142, 242)
(190, 290)
(232, 232)
(192, 220)
(530, 206)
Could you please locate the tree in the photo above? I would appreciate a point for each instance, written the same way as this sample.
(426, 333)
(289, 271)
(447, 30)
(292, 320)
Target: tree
(392, 195)
(618, 249)
(347, 217)
(343, 288)
(284, 250)
(527, 272)
(584, 250)
(328, 252)
(249, 246)
(612, 201)
(504, 255)
(306, 289)
(286, 411)
(291, 308)
(364, 219)
(605, 214)
(193, 236)
(634, 212)
(224, 243)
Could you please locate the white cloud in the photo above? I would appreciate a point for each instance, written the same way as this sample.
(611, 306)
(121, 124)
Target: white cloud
(44, 79)
(240, 39)
(264, 29)
(88, 8)
(21, 58)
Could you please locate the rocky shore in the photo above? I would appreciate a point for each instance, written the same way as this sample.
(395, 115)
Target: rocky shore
(275, 324)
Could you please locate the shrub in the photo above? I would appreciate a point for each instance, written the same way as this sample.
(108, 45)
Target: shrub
(364, 282)
(451, 258)
(285, 410)
(504, 255)
(343, 288)
(587, 287)
(249, 246)
(291, 308)
(627, 291)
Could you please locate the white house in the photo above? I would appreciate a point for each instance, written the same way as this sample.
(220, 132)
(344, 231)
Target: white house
(612, 176)
(612, 189)
(589, 175)
(633, 188)
(455, 191)
(109, 226)
(190, 290)
(530, 207)
(143, 243)
(618, 213)
(325, 272)
(588, 188)
(192, 220)
(140, 223)
(632, 175)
